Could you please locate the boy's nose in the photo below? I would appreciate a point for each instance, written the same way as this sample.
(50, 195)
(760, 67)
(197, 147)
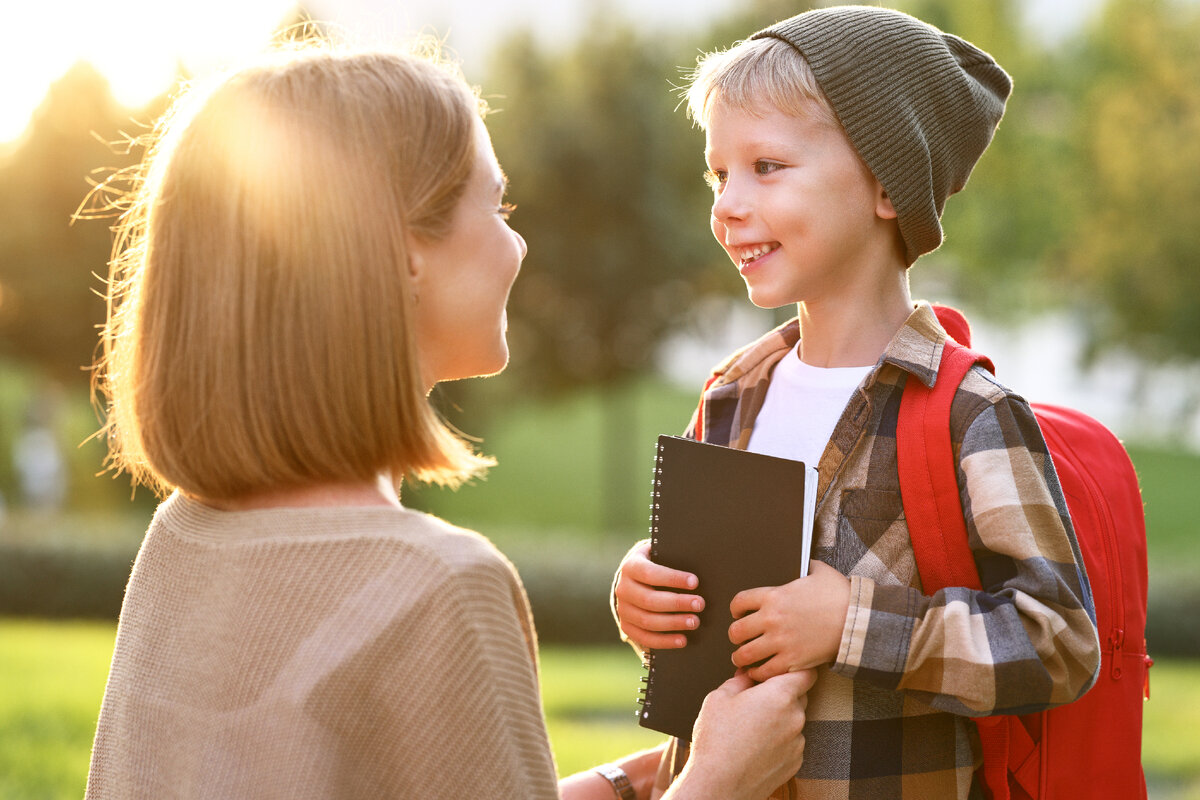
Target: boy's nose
(729, 205)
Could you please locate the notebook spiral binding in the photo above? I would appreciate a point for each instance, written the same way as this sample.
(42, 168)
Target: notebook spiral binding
(644, 699)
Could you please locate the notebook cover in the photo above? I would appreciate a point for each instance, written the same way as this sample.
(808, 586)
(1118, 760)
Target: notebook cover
(736, 520)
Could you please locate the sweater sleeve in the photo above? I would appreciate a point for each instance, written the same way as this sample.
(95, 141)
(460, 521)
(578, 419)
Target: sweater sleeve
(1028, 640)
(445, 702)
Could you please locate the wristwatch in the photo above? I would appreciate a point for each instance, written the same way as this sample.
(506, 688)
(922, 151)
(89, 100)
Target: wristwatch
(619, 780)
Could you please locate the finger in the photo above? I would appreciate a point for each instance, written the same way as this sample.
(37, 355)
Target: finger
(745, 629)
(740, 682)
(752, 652)
(774, 668)
(745, 602)
(641, 569)
(805, 677)
(795, 682)
(652, 621)
(646, 596)
(650, 640)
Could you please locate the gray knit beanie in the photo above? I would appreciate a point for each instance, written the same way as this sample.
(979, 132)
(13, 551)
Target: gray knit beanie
(920, 106)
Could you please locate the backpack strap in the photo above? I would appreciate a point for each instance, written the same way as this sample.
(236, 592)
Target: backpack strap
(928, 479)
(933, 508)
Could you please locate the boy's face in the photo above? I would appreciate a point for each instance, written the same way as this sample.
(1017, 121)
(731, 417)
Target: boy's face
(795, 208)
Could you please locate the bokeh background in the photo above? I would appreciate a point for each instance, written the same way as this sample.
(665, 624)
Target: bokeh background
(1075, 250)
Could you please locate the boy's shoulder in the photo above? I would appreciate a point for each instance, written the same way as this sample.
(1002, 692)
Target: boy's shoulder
(762, 353)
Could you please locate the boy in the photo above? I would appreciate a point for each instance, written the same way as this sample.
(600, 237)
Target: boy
(833, 141)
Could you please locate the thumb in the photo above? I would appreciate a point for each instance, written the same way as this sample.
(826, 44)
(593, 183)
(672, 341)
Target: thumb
(739, 683)
(797, 682)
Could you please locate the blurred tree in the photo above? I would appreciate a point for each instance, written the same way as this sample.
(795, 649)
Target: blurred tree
(607, 180)
(610, 201)
(1135, 251)
(49, 309)
(50, 275)
(1004, 227)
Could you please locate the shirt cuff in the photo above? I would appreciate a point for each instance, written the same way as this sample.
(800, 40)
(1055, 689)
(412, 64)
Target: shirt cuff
(877, 632)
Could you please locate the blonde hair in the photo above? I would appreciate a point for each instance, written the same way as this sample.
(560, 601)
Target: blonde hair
(259, 312)
(753, 73)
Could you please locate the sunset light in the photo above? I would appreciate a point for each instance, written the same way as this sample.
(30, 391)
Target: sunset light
(138, 45)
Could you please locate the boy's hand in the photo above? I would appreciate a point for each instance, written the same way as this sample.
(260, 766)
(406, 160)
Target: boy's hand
(648, 614)
(790, 627)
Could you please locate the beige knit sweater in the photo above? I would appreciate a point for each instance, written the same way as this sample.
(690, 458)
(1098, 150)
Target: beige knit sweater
(320, 653)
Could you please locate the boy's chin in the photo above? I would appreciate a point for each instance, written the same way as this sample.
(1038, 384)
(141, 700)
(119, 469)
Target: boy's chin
(768, 301)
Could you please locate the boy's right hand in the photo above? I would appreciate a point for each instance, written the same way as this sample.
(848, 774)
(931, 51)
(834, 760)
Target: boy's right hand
(650, 615)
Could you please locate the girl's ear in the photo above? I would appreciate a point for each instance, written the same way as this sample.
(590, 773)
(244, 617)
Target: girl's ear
(418, 261)
(883, 204)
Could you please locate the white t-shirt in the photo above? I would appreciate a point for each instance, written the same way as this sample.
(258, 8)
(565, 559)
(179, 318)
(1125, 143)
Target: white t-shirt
(802, 406)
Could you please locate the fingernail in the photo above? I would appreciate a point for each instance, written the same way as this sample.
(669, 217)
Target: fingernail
(692, 581)
(691, 622)
(697, 605)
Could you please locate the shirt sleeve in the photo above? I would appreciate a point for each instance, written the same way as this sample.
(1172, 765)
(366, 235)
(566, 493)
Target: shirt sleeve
(1028, 640)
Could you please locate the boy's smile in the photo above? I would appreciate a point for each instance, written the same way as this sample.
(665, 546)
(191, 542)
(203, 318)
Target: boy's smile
(793, 205)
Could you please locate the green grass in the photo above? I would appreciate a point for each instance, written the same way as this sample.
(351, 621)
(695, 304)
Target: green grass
(51, 683)
(52, 680)
(590, 698)
(553, 456)
(1168, 479)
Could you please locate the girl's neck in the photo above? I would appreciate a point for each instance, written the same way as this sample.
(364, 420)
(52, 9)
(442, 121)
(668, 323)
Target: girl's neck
(379, 492)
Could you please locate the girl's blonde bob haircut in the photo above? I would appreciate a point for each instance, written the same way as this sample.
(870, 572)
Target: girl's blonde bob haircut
(259, 330)
(753, 74)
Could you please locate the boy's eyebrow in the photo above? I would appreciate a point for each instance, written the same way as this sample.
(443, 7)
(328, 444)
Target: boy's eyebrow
(783, 142)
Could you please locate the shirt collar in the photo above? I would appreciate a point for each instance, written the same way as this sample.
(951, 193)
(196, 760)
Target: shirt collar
(916, 348)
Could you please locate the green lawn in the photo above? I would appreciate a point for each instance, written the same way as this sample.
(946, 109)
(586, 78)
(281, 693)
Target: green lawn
(51, 683)
(1168, 479)
(52, 679)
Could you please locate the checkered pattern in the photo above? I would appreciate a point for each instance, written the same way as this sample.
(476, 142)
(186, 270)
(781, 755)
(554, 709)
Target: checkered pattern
(889, 719)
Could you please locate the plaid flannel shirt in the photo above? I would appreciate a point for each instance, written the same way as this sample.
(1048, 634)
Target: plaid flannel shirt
(891, 717)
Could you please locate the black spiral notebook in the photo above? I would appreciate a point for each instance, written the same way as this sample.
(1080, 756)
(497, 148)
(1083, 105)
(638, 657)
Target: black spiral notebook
(737, 520)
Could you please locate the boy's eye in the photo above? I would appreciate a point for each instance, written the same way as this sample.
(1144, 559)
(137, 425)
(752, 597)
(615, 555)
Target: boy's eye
(715, 177)
(506, 210)
(766, 167)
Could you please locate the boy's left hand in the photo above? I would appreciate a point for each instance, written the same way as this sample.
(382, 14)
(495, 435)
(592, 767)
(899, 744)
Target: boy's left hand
(790, 627)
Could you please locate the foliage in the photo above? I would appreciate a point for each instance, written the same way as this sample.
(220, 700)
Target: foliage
(63, 580)
(1003, 230)
(1135, 247)
(606, 180)
(48, 303)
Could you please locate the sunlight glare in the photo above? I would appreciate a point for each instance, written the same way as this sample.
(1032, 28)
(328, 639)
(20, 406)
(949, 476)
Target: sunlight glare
(138, 45)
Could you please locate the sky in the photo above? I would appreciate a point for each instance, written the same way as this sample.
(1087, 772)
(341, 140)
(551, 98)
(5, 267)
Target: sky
(138, 44)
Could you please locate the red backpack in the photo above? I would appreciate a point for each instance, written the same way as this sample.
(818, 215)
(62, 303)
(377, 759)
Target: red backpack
(1090, 748)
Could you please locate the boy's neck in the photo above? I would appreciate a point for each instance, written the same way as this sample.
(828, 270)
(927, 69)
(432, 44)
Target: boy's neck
(852, 332)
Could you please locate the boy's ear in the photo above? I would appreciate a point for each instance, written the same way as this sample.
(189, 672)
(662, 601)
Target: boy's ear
(883, 204)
